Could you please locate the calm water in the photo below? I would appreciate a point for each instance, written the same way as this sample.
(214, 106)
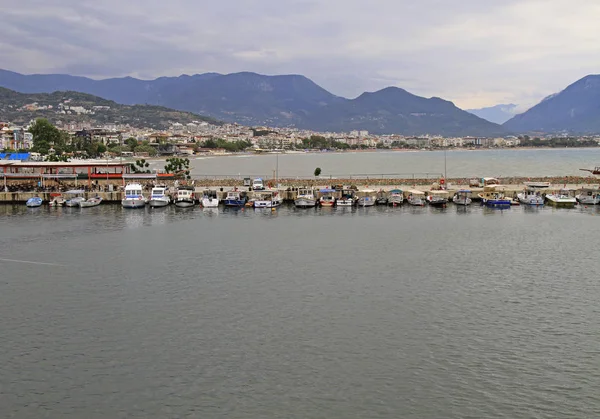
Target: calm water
(332, 313)
(494, 163)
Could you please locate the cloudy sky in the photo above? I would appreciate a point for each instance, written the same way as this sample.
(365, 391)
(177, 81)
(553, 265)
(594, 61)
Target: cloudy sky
(473, 52)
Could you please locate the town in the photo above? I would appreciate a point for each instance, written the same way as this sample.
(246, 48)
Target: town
(201, 137)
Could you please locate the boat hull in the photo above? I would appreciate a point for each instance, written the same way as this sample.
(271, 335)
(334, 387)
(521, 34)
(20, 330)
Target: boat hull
(561, 202)
(266, 204)
(588, 200)
(497, 203)
(345, 202)
(395, 200)
(73, 202)
(235, 202)
(210, 202)
(305, 202)
(34, 202)
(92, 202)
(159, 202)
(366, 201)
(530, 200)
(462, 201)
(133, 203)
(438, 204)
(381, 201)
(184, 203)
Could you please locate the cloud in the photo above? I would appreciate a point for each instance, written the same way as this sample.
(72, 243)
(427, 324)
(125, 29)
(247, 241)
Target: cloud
(475, 53)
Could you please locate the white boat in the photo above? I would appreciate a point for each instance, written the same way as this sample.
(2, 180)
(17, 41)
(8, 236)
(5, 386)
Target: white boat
(159, 197)
(134, 197)
(327, 198)
(185, 197)
(267, 199)
(367, 198)
(395, 197)
(565, 198)
(305, 198)
(532, 194)
(91, 202)
(74, 197)
(462, 197)
(416, 198)
(347, 199)
(57, 201)
(210, 199)
(34, 202)
(589, 196)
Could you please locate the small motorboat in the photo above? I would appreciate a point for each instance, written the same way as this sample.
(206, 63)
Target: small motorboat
(395, 197)
(91, 202)
(75, 196)
(185, 197)
(367, 199)
(133, 196)
(462, 197)
(382, 198)
(34, 202)
(57, 200)
(437, 201)
(327, 198)
(159, 197)
(305, 198)
(415, 198)
(235, 199)
(210, 199)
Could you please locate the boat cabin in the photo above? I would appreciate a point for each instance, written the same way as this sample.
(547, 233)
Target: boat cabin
(133, 189)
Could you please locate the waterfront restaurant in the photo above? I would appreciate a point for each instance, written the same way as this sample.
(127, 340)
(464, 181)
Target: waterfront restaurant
(50, 173)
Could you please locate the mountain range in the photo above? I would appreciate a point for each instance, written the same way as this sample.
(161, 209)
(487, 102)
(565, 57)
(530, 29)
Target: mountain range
(19, 108)
(576, 109)
(296, 101)
(498, 114)
(287, 100)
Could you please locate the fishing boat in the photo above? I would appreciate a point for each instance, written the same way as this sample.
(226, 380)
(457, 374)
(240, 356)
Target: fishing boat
(57, 200)
(267, 199)
(532, 194)
(235, 199)
(305, 198)
(416, 198)
(367, 198)
(159, 197)
(589, 196)
(34, 202)
(185, 197)
(347, 199)
(395, 197)
(462, 197)
(210, 199)
(565, 198)
(74, 197)
(437, 199)
(134, 197)
(327, 198)
(493, 197)
(91, 202)
(382, 198)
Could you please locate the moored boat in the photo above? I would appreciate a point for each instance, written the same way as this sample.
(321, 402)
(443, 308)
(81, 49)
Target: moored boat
(34, 202)
(367, 198)
(589, 196)
(462, 197)
(347, 199)
(437, 199)
(75, 196)
(57, 200)
(395, 197)
(382, 198)
(565, 198)
(210, 199)
(416, 198)
(532, 194)
(91, 202)
(159, 197)
(327, 198)
(235, 199)
(134, 197)
(305, 198)
(185, 197)
(493, 197)
(267, 199)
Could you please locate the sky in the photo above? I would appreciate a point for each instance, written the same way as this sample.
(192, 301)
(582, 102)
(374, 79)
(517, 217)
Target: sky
(475, 53)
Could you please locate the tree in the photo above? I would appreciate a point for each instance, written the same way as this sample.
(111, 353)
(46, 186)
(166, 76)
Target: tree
(140, 166)
(131, 143)
(46, 136)
(317, 171)
(178, 166)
